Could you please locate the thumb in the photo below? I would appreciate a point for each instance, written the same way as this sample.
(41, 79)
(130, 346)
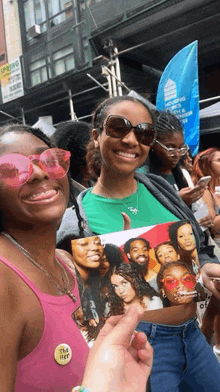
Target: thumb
(127, 221)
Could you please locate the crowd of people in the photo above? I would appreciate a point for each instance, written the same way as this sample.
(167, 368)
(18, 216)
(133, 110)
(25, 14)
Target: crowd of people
(52, 299)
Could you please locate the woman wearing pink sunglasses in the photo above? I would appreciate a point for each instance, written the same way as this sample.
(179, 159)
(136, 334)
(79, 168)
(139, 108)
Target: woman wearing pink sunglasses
(177, 284)
(41, 347)
(123, 132)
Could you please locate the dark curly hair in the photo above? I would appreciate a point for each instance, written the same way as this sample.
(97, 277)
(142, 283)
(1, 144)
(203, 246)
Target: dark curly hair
(20, 128)
(93, 156)
(113, 254)
(129, 242)
(74, 137)
(138, 283)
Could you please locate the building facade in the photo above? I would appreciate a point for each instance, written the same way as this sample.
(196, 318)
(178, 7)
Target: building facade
(54, 53)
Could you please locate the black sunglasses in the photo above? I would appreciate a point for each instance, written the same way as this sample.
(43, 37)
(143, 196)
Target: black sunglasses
(119, 127)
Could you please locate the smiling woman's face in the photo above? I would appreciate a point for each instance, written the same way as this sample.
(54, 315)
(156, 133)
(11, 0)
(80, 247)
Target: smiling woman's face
(41, 200)
(123, 288)
(87, 252)
(123, 155)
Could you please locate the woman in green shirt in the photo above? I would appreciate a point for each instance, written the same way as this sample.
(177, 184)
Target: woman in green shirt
(123, 131)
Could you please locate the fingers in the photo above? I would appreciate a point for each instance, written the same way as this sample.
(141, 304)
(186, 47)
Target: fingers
(198, 191)
(211, 276)
(146, 354)
(109, 325)
(207, 221)
(142, 351)
(145, 357)
(211, 286)
(124, 329)
(139, 340)
(202, 186)
(127, 221)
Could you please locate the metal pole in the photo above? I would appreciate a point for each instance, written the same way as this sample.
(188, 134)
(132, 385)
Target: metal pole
(105, 72)
(22, 116)
(72, 113)
(109, 79)
(209, 99)
(119, 81)
(114, 84)
(8, 115)
(96, 81)
(118, 72)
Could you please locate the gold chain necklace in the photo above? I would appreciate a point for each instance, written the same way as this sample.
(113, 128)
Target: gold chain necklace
(134, 210)
(61, 290)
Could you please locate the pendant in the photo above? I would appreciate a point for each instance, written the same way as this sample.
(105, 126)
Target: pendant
(133, 210)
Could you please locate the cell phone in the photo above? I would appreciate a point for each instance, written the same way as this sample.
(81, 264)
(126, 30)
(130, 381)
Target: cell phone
(204, 180)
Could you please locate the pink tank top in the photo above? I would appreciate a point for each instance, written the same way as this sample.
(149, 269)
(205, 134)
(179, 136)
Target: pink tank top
(39, 371)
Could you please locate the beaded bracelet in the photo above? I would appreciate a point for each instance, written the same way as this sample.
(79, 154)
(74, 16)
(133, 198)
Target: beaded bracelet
(80, 389)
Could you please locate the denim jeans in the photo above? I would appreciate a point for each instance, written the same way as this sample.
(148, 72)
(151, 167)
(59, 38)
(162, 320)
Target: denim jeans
(183, 360)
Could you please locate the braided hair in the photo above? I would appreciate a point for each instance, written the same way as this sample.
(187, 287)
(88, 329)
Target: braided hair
(166, 124)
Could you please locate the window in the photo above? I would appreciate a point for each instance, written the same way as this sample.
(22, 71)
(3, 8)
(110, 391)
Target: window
(38, 71)
(34, 13)
(63, 60)
(59, 11)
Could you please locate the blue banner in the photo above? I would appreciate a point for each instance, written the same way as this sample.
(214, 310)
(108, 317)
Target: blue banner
(178, 92)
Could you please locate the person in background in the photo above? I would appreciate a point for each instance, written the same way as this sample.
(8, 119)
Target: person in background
(73, 136)
(163, 159)
(186, 161)
(123, 132)
(207, 163)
